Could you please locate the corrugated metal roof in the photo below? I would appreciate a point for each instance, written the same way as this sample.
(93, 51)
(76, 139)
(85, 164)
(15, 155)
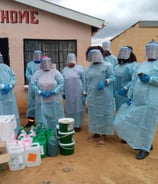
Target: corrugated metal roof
(65, 12)
(148, 23)
(141, 23)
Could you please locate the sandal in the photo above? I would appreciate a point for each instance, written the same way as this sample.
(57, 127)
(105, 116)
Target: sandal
(93, 137)
(102, 140)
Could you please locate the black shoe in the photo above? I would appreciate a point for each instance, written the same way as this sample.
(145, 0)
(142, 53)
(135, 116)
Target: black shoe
(77, 129)
(151, 148)
(142, 154)
(123, 141)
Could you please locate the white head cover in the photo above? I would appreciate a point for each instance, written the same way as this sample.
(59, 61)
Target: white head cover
(1, 58)
(37, 55)
(71, 58)
(124, 53)
(152, 50)
(95, 56)
(106, 45)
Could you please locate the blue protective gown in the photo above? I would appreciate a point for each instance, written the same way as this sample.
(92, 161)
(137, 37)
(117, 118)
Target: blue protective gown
(48, 110)
(8, 104)
(111, 59)
(31, 68)
(123, 74)
(100, 103)
(137, 123)
(73, 90)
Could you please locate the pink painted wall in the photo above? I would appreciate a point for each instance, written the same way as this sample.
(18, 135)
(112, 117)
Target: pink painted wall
(50, 27)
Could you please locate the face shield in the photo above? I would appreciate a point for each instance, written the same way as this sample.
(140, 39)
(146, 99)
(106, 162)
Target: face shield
(124, 55)
(46, 64)
(71, 59)
(106, 45)
(1, 58)
(152, 50)
(95, 56)
(37, 56)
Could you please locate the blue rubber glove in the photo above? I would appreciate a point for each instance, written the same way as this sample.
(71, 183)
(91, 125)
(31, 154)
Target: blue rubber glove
(101, 85)
(145, 78)
(51, 93)
(6, 89)
(122, 92)
(129, 101)
(45, 94)
(83, 99)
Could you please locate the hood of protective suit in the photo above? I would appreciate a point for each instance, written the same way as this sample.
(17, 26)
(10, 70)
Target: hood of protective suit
(37, 56)
(71, 58)
(106, 45)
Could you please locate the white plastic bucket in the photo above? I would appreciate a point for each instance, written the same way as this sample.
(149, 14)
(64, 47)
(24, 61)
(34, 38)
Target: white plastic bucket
(66, 137)
(66, 124)
(67, 149)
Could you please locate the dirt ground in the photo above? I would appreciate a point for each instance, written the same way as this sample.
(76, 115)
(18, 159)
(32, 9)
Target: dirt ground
(113, 163)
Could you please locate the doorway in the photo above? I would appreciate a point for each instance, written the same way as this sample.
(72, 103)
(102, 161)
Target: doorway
(4, 49)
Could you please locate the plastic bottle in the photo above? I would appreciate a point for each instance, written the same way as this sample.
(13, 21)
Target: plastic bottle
(52, 145)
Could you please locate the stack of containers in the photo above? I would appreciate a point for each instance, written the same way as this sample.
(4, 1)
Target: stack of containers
(65, 133)
(23, 152)
(47, 140)
(7, 127)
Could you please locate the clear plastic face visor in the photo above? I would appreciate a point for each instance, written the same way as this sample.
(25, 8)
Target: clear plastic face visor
(46, 64)
(95, 56)
(124, 53)
(37, 55)
(152, 51)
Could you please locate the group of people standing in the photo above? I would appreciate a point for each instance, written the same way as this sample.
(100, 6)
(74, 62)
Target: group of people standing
(120, 94)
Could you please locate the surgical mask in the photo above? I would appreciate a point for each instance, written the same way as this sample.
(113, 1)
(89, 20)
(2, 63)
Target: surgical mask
(37, 56)
(95, 56)
(152, 50)
(46, 64)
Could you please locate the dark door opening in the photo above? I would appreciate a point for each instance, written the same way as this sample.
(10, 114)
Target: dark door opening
(4, 49)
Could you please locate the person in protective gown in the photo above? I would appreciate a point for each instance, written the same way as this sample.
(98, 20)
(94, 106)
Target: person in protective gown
(48, 84)
(136, 120)
(73, 89)
(31, 68)
(123, 73)
(98, 86)
(8, 103)
(108, 56)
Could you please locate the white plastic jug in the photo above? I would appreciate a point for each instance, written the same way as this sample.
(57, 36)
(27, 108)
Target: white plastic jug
(16, 160)
(32, 155)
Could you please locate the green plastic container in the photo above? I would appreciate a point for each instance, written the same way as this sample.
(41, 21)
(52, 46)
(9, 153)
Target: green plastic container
(52, 145)
(67, 149)
(43, 148)
(66, 137)
(66, 124)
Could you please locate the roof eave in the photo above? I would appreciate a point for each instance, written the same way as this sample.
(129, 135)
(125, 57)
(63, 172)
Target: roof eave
(64, 12)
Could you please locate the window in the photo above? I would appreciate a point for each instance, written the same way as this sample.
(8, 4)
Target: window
(55, 49)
